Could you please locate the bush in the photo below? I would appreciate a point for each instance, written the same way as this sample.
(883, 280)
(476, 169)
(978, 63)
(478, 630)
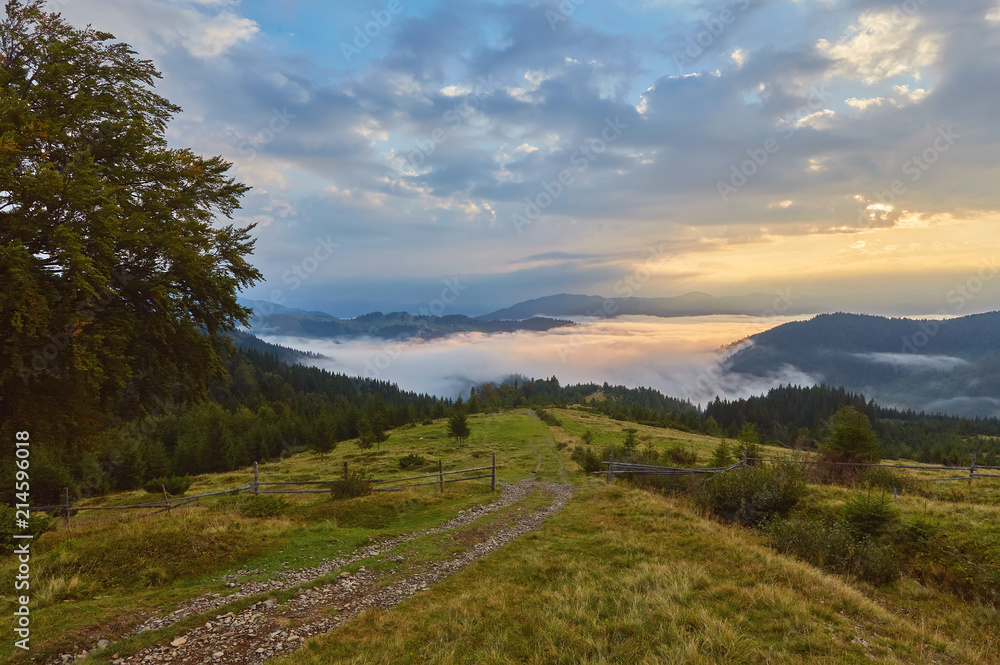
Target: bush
(868, 516)
(175, 485)
(255, 505)
(722, 456)
(426, 421)
(834, 547)
(547, 417)
(412, 461)
(293, 450)
(585, 457)
(357, 483)
(880, 477)
(677, 455)
(754, 495)
(37, 525)
(852, 438)
(562, 445)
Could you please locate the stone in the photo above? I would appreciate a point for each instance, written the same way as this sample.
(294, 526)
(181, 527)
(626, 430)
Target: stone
(179, 642)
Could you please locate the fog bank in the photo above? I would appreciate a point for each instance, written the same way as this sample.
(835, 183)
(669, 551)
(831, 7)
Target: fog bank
(680, 357)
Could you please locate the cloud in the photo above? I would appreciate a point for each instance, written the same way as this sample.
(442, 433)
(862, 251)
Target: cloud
(157, 27)
(914, 362)
(882, 45)
(416, 154)
(680, 357)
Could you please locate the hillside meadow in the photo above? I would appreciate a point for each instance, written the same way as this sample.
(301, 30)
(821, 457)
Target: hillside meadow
(619, 575)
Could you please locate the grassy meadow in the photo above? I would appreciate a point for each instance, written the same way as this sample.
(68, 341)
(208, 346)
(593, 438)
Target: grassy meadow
(620, 575)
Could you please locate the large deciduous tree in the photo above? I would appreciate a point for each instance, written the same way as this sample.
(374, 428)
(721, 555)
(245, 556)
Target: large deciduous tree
(118, 282)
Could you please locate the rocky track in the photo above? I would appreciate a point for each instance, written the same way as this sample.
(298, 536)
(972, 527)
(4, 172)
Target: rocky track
(261, 631)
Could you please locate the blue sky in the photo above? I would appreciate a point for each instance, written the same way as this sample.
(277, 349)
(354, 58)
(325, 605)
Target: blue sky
(843, 149)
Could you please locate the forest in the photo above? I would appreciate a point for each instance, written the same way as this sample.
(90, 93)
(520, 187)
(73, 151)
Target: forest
(272, 406)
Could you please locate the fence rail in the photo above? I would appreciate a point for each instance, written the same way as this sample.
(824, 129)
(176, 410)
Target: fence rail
(630, 469)
(167, 503)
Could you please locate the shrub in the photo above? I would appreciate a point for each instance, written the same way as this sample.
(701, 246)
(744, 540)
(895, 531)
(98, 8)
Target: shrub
(255, 505)
(293, 450)
(357, 483)
(412, 461)
(880, 477)
(630, 442)
(752, 496)
(677, 455)
(562, 445)
(722, 456)
(175, 485)
(426, 421)
(585, 457)
(834, 547)
(547, 417)
(37, 525)
(823, 542)
(852, 438)
(868, 516)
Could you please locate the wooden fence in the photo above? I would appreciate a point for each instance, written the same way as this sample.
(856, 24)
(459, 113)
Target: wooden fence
(385, 485)
(626, 468)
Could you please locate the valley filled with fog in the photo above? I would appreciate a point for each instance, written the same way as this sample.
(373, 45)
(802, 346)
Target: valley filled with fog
(680, 356)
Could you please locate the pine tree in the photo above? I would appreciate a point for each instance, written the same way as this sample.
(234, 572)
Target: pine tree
(458, 425)
(852, 438)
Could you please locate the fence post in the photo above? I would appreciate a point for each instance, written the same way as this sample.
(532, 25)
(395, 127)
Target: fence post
(493, 480)
(972, 469)
(166, 501)
(441, 474)
(256, 479)
(345, 469)
(66, 506)
(611, 463)
(744, 456)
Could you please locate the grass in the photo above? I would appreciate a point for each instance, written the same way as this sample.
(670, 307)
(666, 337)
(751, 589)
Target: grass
(620, 575)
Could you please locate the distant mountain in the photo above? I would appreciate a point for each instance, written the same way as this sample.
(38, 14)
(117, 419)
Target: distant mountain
(691, 304)
(950, 366)
(277, 320)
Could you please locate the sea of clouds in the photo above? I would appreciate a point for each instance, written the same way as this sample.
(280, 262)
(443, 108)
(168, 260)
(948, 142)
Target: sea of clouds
(682, 357)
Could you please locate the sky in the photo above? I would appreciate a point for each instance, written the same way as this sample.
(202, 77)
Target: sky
(845, 150)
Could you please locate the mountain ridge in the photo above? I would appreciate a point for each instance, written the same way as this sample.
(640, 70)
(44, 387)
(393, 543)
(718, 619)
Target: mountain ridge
(695, 303)
(932, 365)
(280, 320)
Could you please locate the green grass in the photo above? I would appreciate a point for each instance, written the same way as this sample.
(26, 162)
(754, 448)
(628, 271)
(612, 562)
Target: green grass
(622, 576)
(619, 575)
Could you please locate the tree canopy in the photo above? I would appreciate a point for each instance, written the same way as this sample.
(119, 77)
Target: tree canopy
(118, 281)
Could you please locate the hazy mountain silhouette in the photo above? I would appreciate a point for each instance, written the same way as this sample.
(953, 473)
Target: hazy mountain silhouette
(277, 320)
(690, 304)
